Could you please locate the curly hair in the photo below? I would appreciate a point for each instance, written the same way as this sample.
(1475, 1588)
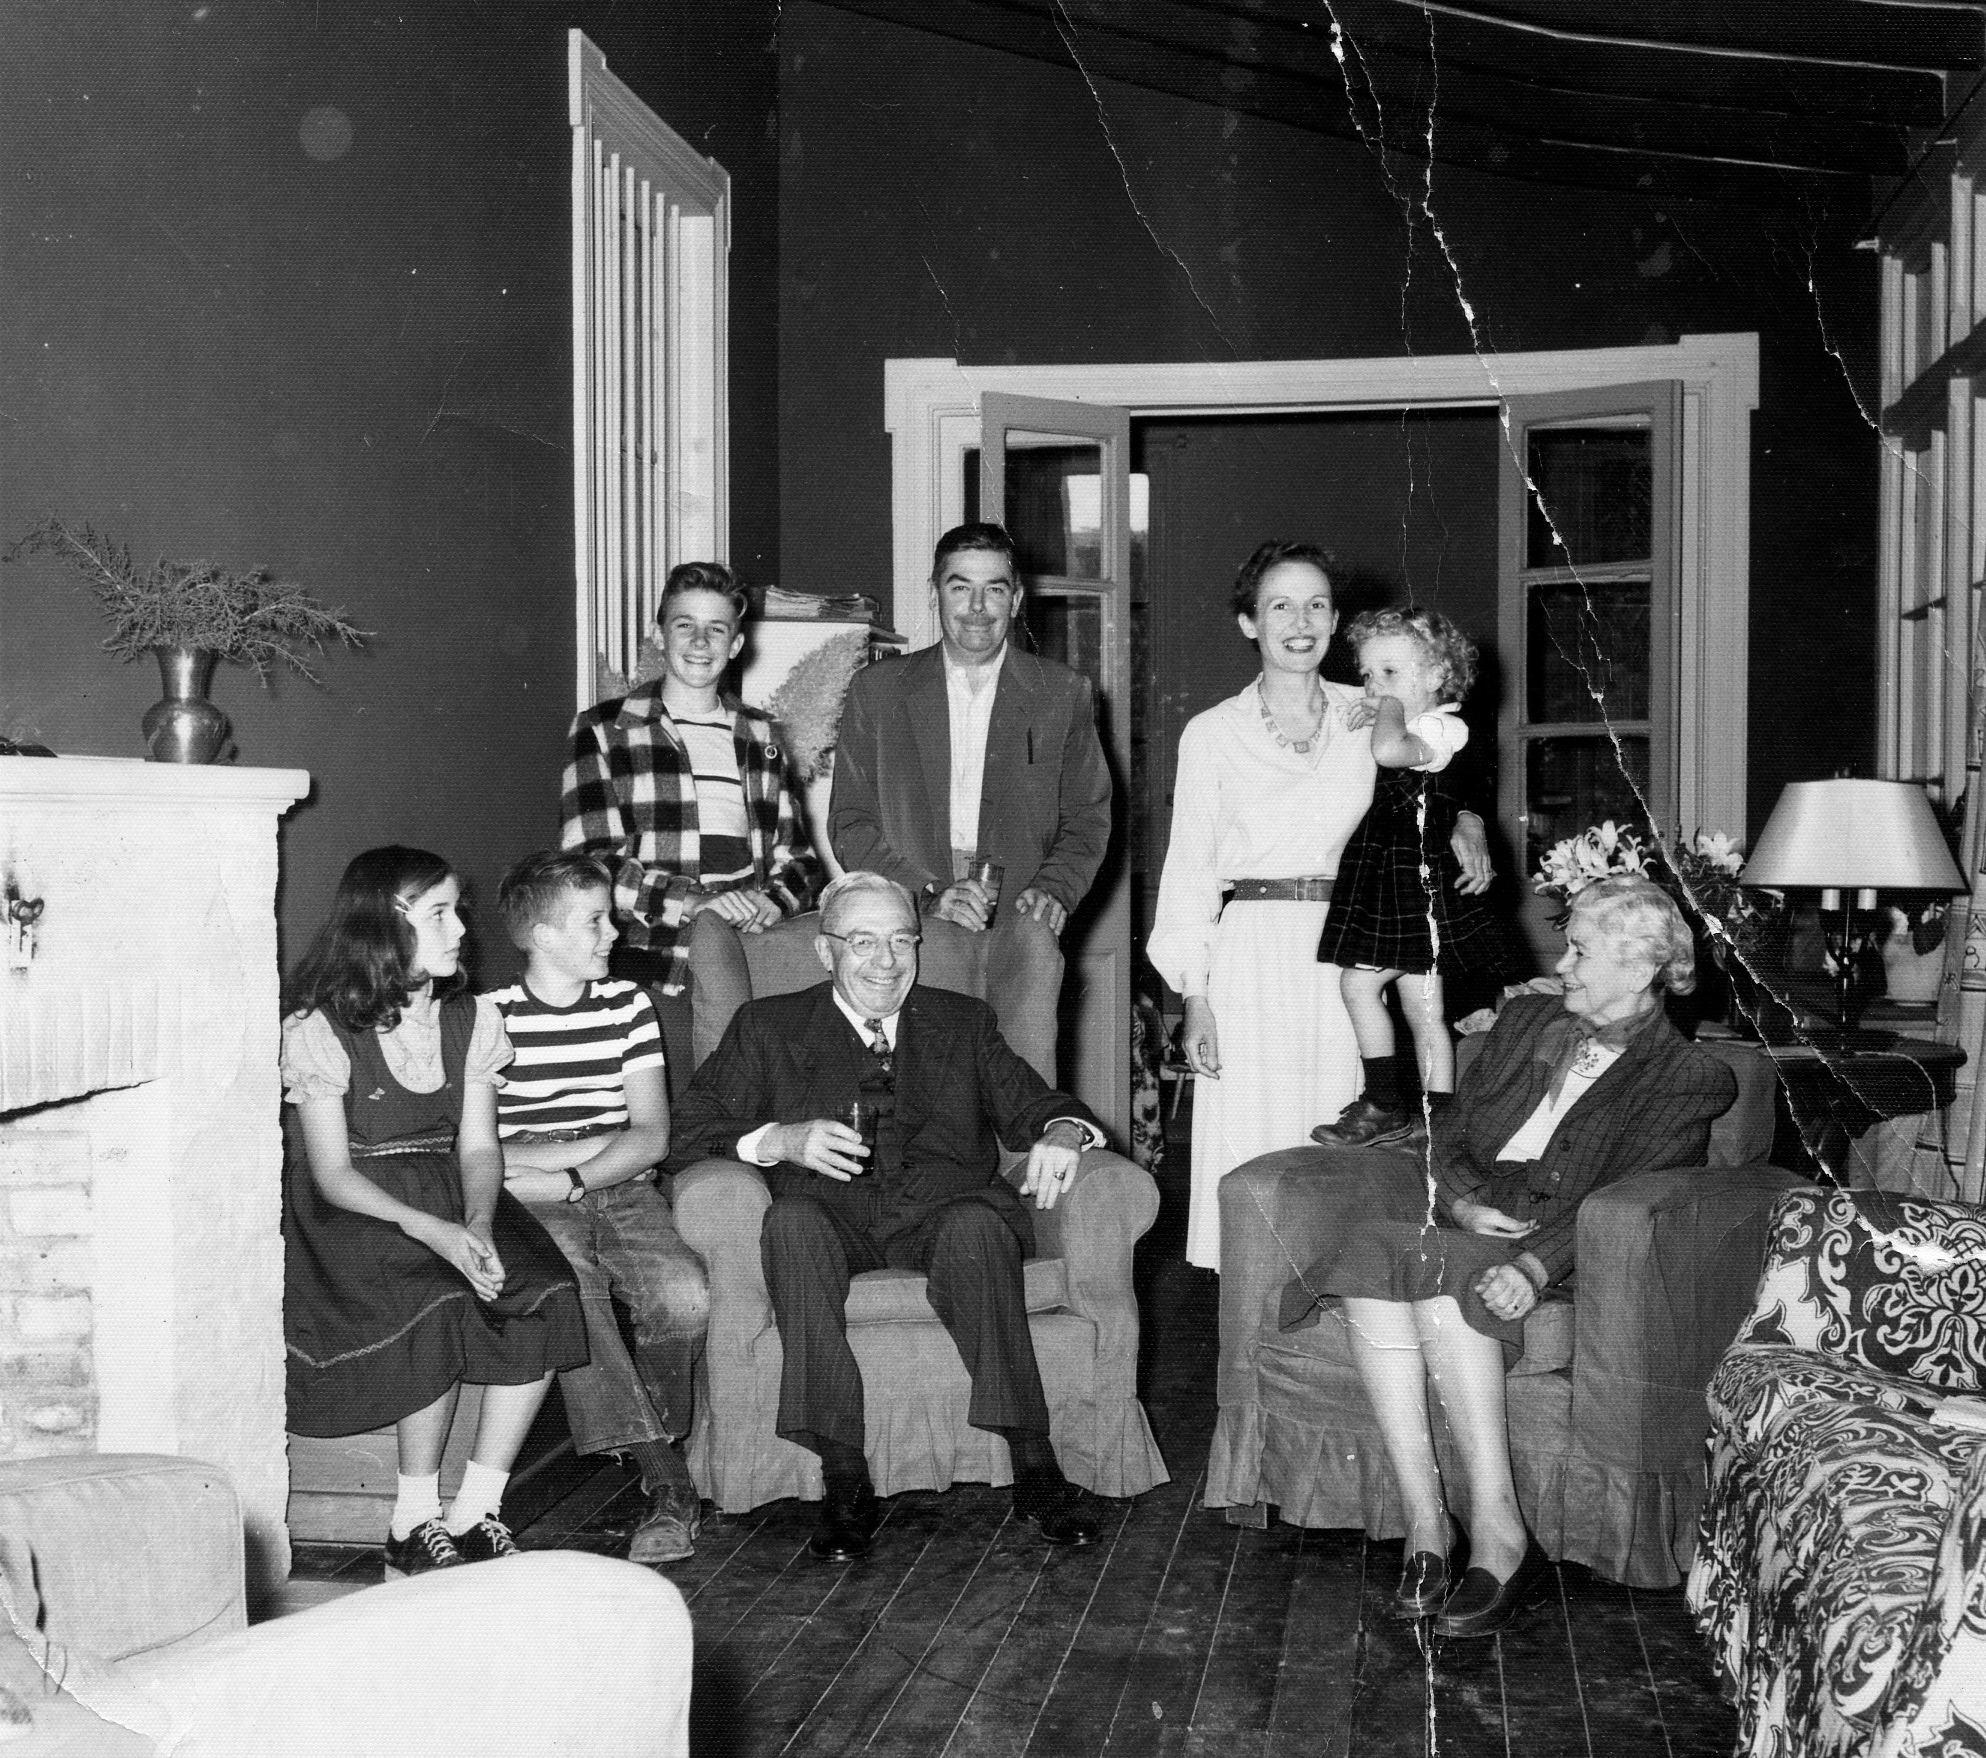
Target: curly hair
(1247, 592)
(1441, 643)
(1637, 915)
(359, 970)
(534, 889)
(702, 577)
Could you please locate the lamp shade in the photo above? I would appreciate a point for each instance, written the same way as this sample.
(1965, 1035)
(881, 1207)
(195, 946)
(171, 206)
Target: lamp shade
(1853, 835)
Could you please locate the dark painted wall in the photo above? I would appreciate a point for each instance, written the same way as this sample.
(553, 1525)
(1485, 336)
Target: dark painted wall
(353, 365)
(942, 200)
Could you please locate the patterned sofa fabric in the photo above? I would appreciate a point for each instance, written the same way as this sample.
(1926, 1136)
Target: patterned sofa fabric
(1896, 1283)
(1840, 1573)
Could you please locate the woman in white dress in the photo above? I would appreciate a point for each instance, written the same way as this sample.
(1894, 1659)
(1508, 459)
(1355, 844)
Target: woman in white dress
(1270, 786)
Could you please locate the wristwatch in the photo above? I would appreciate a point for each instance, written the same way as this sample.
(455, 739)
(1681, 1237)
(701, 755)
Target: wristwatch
(578, 1185)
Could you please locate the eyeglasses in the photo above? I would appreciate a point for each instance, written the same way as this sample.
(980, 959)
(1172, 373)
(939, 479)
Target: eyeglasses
(868, 945)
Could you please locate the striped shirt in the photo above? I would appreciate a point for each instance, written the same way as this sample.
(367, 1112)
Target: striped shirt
(723, 828)
(571, 1064)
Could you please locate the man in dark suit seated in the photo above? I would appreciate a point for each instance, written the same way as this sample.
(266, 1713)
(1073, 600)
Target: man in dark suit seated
(945, 1090)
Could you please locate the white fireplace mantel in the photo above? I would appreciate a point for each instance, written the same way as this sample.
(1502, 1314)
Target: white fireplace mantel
(154, 979)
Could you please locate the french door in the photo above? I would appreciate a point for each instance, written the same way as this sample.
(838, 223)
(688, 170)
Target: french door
(1058, 475)
(1588, 525)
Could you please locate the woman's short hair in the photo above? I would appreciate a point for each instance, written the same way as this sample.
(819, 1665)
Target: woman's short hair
(535, 889)
(360, 967)
(702, 577)
(1638, 915)
(1440, 642)
(853, 884)
(1248, 579)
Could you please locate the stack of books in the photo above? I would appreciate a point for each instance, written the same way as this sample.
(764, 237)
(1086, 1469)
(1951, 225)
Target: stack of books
(797, 607)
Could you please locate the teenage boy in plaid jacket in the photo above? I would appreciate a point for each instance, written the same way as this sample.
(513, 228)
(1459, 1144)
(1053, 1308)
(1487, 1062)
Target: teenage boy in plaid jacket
(685, 794)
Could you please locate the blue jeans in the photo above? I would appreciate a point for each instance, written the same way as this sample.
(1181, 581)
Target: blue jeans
(623, 1240)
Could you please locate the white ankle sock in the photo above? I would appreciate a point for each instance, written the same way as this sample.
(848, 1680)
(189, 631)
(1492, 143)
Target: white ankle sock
(415, 1499)
(481, 1493)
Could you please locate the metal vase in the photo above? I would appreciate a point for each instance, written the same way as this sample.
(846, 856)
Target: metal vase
(185, 727)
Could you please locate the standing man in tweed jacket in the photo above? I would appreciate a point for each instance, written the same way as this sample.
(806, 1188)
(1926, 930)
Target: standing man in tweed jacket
(972, 751)
(685, 794)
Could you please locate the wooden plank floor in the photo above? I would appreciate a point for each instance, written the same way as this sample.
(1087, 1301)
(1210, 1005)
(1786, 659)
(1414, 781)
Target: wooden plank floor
(962, 1634)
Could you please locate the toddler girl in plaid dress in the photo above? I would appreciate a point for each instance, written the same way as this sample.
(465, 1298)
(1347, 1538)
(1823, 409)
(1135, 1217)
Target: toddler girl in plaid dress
(1395, 911)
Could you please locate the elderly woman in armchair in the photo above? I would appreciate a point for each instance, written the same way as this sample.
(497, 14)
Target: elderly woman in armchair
(1439, 1262)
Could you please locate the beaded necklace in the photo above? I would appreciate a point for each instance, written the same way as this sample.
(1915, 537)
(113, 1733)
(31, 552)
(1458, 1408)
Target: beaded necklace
(1300, 746)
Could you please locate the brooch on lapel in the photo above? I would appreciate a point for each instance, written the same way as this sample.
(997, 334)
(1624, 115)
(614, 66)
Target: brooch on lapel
(376, 1093)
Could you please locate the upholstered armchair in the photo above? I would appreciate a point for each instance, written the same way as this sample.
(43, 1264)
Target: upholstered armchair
(1606, 1407)
(1842, 1563)
(1083, 1316)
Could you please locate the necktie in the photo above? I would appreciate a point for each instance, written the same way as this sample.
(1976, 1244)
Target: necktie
(879, 1045)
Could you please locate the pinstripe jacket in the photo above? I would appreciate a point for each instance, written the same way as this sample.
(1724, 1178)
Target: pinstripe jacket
(1651, 1108)
(630, 797)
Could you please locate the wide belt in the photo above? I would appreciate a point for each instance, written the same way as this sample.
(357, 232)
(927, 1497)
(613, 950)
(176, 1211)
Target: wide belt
(584, 1133)
(1311, 888)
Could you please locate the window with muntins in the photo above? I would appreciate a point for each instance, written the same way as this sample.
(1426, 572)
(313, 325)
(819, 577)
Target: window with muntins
(651, 237)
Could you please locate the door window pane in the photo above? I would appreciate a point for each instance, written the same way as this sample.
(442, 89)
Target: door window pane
(1577, 780)
(1583, 640)
(1053, 521)
(1597, 485)
(1082, 533)
(1069, 628)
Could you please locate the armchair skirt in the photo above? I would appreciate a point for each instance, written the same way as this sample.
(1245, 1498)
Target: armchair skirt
(1082, 1315)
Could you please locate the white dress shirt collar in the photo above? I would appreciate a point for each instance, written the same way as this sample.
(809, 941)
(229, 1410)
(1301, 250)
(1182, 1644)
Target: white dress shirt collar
(969, 694)
(860, 1021)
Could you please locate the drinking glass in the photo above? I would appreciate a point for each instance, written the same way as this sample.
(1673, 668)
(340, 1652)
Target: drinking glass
(860, 1116)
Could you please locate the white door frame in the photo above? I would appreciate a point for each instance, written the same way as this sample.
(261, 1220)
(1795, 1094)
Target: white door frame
(931, 408)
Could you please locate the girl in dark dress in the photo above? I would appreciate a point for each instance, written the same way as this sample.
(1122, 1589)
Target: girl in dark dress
(1396, 911)
(407, 1269)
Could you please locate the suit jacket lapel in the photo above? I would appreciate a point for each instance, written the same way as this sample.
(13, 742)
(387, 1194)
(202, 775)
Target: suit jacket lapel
(929, 712)
(1007, 733)
(1593, 1104)
(817, 1044)
(924, 1051)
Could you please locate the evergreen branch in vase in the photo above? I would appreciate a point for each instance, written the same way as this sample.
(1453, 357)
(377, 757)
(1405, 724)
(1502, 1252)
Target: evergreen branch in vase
(247, 617)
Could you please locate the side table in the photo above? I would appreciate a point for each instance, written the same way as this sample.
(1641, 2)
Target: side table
(1836, 1095)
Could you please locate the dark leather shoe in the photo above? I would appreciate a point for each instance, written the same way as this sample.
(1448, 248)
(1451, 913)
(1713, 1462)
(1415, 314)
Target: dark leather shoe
(1362, 1124)
(1427, 1579)
(1056, 1511)
(667, 1533)
(1482, 1605)
(847, 1526)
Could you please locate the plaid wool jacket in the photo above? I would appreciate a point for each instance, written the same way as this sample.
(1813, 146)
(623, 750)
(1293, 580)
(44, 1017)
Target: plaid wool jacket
(629, 797)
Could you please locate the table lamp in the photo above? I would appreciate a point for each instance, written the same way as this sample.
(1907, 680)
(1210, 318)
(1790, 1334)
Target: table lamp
(1849, 839)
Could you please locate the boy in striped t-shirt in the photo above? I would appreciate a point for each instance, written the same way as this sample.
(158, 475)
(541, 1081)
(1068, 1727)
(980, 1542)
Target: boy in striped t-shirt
(583, 1116)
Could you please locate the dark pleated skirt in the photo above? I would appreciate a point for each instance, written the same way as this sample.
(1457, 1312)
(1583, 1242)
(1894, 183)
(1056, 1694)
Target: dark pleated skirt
(379, 1327)
(1396, 878)
(1395, 1252)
